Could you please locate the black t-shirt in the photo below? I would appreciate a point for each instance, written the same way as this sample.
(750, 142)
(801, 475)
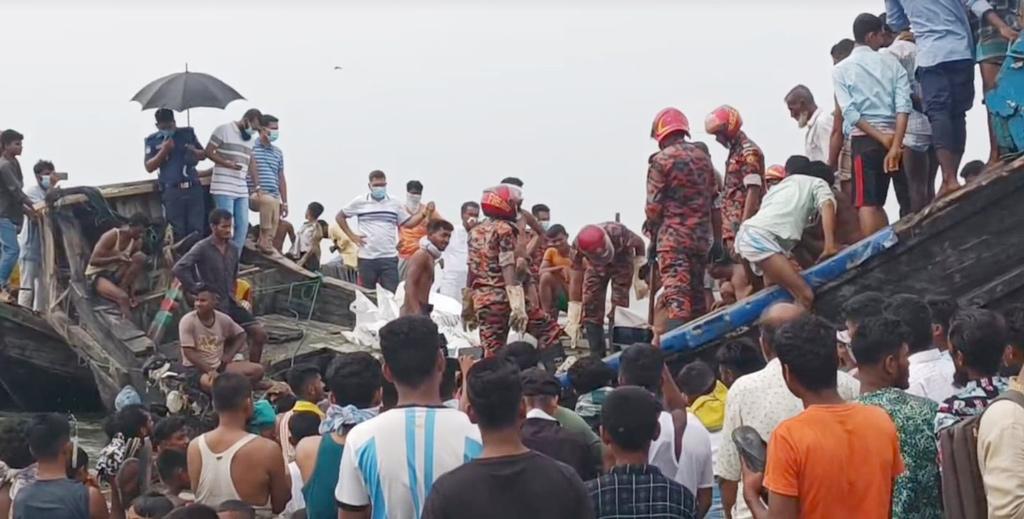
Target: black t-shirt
(530, 485)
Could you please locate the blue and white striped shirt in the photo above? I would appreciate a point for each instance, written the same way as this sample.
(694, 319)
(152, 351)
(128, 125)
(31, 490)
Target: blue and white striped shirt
(391, 461)
(269, 165)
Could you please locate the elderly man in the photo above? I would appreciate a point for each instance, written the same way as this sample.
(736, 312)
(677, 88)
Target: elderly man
(816, 121)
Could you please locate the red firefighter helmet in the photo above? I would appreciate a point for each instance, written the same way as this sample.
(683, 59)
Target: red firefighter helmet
(725, 121)
(667, 121)
(501, 202)
(595, 244)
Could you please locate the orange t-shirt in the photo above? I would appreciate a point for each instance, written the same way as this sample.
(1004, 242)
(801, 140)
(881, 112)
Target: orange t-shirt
(555, 259)
(837, 460)
(409, 239)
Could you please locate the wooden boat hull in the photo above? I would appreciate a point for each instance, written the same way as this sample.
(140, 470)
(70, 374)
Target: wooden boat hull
(39, 371)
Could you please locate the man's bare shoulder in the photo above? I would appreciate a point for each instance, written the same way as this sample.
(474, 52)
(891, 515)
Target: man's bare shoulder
(261, 445)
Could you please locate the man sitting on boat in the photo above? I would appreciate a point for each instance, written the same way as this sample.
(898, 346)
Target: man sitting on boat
(116, 262)
(209, 342)
(213, 264)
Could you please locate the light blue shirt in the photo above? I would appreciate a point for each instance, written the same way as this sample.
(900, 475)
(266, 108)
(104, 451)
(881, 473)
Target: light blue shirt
(871, 86)
(940, 27)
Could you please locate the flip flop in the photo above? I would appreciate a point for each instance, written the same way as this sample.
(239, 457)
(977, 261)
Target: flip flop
(751, 447)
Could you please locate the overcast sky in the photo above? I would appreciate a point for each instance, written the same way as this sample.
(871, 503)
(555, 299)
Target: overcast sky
(457, 95)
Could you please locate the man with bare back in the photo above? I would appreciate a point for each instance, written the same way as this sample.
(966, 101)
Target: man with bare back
(116, 261)
(420, 268)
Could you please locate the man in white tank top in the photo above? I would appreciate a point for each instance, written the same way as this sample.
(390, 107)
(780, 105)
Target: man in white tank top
(228, 463)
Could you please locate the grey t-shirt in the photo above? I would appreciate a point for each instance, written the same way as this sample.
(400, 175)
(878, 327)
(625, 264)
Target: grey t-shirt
(52, 499)
(12, 198)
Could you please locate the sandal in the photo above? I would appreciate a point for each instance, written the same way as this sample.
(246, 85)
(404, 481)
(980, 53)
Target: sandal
(751, 447)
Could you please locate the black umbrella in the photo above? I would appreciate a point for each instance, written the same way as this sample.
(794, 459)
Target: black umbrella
(183, 90)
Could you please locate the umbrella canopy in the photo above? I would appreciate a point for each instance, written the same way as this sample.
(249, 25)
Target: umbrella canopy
(183, 90)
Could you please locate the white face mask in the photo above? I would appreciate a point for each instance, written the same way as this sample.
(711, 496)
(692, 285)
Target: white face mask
(413, 201)
(429, 246)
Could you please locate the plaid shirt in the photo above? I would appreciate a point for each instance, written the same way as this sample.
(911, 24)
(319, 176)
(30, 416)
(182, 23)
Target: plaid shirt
(635, 491)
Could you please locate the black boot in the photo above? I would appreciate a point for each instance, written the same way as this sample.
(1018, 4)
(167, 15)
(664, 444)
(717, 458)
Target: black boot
(595, 338)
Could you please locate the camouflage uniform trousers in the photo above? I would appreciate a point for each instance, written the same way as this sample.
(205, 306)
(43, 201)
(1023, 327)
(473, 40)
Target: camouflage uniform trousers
(493, 311)
(595, 286)
(682, 279)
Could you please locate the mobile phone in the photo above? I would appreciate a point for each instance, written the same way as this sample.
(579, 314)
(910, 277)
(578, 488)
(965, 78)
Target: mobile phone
(476, 352)
(61, 175)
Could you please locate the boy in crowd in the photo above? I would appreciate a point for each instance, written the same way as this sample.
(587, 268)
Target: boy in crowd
(592, 380)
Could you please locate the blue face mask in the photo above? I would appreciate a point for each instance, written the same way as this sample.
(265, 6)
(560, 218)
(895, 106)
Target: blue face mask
(45, 182)
(273, 135)
(378, 192)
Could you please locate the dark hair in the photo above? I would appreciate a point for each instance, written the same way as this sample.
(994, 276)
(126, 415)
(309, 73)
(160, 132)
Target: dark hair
(468, 205)
(300, 376)
(696, 378)
(9, 136)
(239, 506)
(47, 435)
(231, 391)
(152, 505)
(138, 220)
(414, 186)
(267, 119)
(251, 114)
(354, 379)
(864, 25)
(316, 209)
(512, 180)
(76, 463)
(807, 346)
(629, 416)
(820, 170)
(439, 225)
(448, 380)
(862, 306)
(797, 164)
(642, 365)
(170, 461)
(377, 175)
(741, 356)
(557, 230)
(842, 50)
(43, 166)
(590, 373)
(495, 392)
(980, 336)
(972, 169)
(1014, 317)
(166, 428)
(219, 216)
(521, 353)
(539, 208)
(942, 309)
(913, 312)
(410, 348)
(14, 448)
(164, 115)
(130, 421)
(303, 424)
(193, 511)
(877, 338)
(284, 403)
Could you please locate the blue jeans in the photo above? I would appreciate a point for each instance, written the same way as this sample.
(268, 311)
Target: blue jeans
(9, 249)
(948, 93)
(239, 209)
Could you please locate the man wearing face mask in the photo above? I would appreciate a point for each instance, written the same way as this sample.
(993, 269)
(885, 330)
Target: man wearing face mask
(175, 152)
(380, 217)
(421, 268)
(269, 190)
(816, 121)
(455, 256)
(31, 246)
(230, 149)
(409, 237)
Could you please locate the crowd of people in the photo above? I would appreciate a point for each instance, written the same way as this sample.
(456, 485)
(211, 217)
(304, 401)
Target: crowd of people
(888, 417)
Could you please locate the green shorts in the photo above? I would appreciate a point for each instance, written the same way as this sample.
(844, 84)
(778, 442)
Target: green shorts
(562, 302)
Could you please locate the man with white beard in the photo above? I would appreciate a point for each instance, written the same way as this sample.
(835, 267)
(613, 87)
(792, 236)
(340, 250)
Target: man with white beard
(806, 113)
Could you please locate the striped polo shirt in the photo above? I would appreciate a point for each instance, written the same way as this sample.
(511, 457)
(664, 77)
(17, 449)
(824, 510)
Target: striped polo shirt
(391, 461)
(378, 222)
(226, 181)
(269, 164)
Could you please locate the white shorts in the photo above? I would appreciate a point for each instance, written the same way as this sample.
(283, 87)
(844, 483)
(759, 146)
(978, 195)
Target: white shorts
(756, 245)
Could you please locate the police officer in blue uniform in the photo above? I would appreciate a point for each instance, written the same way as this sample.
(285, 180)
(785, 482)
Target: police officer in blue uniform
(175, 152)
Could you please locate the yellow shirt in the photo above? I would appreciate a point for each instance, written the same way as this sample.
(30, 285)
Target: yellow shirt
(710, 408)
(348, 250)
